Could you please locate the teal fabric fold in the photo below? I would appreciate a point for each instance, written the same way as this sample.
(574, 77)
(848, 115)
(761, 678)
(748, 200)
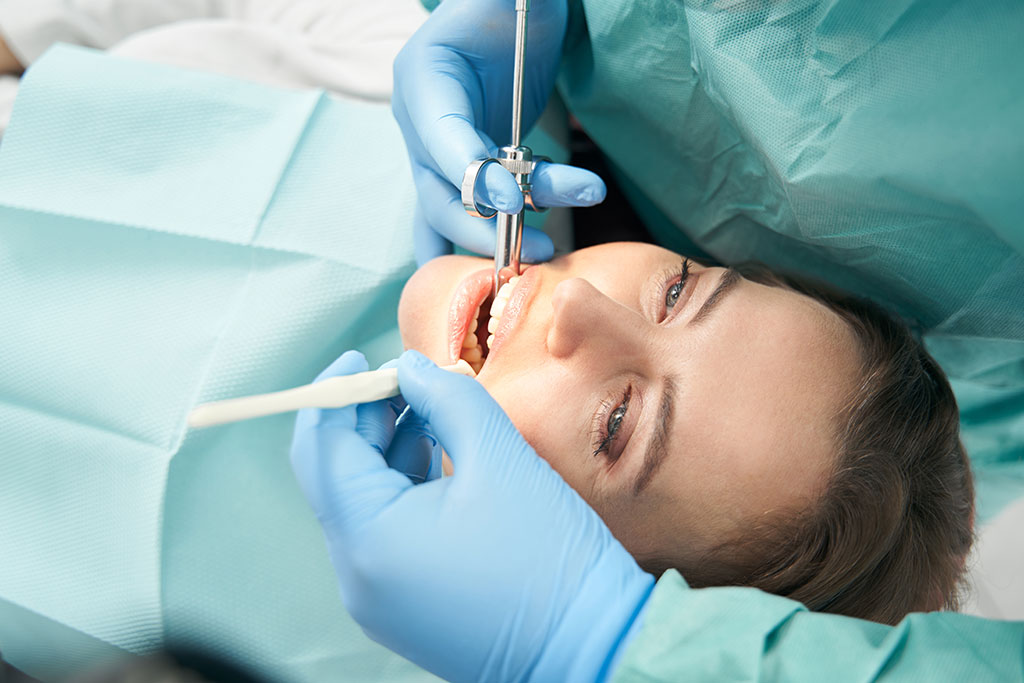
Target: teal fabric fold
(742, 634)
(874, 146)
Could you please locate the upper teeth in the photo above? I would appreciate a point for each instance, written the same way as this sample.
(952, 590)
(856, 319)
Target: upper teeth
(498, 307)
(472, 351)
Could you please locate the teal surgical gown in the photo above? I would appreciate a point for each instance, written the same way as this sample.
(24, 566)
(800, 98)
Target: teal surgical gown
(742, 634)
(876, 145)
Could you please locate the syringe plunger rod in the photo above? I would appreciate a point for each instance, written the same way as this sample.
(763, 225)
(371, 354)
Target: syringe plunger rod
(517, 160)
(522, 7)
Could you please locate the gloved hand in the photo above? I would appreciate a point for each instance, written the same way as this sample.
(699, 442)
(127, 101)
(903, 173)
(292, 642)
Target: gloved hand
(453, 101)
(498, 573)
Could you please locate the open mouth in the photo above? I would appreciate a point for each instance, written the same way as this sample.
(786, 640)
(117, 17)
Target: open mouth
(478, 337)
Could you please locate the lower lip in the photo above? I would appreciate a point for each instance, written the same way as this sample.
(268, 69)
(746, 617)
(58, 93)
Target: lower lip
(471, 293)
(514, 309)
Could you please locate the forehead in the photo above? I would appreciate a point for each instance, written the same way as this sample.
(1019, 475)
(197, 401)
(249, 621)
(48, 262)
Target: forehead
(755, 428)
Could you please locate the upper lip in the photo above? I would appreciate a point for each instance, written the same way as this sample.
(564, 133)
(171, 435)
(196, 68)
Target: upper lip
(515, 308)
(472, 294)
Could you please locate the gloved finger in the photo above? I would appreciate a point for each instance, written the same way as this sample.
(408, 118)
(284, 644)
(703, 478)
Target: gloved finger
(375, 421)
(563, 185)
(493, 189)
(443, 119)
(436, 470)
(413, 448)
(427, 243)
(345, 480)
(348, 363)
(537, 246)
(492, 148)
(467, 422)
(443, 210)
(324, 436)
(343, 476)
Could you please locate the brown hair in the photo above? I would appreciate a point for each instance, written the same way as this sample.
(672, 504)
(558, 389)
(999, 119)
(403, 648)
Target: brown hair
(891, 532)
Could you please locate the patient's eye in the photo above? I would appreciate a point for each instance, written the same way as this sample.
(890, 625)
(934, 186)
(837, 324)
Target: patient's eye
(676, 290)
(672, 297)
(605, 433)
(615, 419)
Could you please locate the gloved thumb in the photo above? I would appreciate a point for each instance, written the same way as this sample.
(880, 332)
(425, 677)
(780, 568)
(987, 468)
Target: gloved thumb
(467, 422)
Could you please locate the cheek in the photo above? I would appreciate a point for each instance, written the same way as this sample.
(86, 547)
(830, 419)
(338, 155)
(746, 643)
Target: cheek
(409, 318)
(550, 426)
(559, 432)
(414, 312)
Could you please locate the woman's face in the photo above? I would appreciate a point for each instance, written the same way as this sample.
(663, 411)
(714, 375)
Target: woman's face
(682, 406)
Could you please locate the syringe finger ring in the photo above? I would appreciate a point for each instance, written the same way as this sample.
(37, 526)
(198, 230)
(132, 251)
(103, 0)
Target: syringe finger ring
(528, 193)
(528, 203)
(469, 179)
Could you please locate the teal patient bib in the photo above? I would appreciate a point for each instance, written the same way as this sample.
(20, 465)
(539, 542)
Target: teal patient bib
(166, 238)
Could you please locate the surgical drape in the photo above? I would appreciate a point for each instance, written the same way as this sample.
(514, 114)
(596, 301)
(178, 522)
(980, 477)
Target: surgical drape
(169, 237)
(877, 146)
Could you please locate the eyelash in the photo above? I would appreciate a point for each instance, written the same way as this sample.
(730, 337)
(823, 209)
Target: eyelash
(604, 435)
(683, 275)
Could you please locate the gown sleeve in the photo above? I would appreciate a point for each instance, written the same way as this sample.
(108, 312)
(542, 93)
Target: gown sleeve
(742, 634)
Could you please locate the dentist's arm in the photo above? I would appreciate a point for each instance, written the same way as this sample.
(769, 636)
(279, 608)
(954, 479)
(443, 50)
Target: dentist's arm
(500, 572)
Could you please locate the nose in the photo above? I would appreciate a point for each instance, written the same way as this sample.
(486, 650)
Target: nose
(587, 323)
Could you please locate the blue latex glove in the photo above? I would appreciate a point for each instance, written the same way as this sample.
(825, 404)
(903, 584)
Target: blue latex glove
(498, 573)
(453, 101)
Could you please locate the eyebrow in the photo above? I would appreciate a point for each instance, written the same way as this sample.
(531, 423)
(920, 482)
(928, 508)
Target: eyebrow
(725, 283)
(657, 446)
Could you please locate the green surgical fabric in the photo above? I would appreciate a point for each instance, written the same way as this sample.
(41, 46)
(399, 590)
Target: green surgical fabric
(741, 634)
(168, 238)
(875, 145)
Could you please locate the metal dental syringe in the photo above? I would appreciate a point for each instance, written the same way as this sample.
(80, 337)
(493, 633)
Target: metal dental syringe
(518, 160)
